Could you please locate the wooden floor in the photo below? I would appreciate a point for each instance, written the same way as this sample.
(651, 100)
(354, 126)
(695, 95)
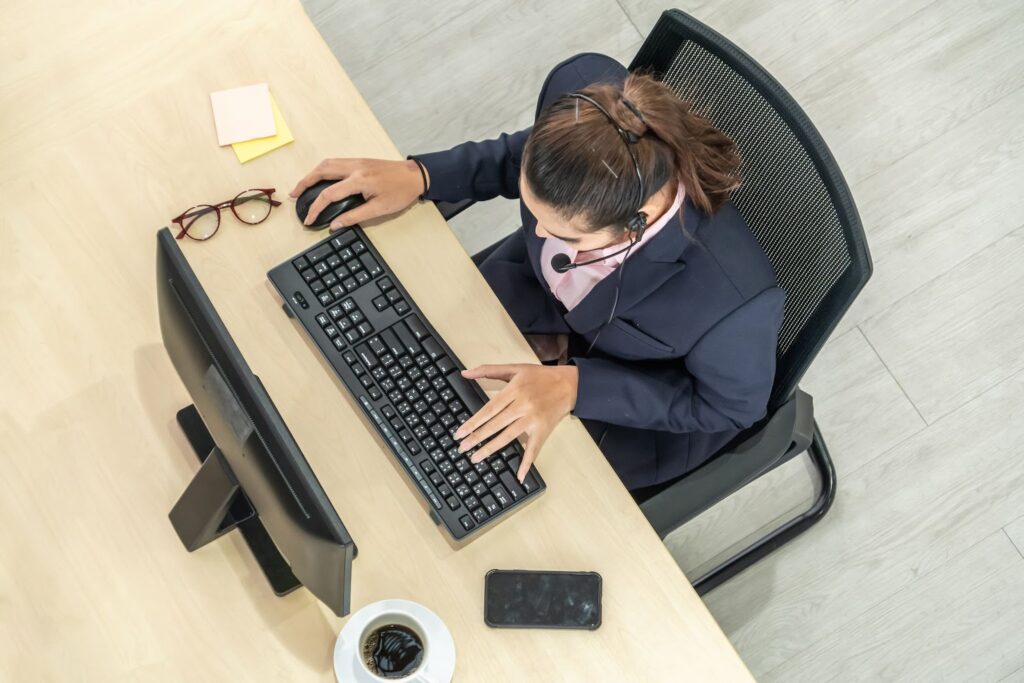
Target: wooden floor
(917, 573)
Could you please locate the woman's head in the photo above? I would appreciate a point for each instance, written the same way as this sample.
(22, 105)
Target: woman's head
(578, 178)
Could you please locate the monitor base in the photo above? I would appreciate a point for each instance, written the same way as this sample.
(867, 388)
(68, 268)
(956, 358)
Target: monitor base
(214, 504)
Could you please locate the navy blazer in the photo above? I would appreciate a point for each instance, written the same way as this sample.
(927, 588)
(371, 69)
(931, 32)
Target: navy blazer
(689, 359)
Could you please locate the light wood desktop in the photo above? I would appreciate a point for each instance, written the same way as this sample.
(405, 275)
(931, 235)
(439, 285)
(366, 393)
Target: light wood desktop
(108, 133)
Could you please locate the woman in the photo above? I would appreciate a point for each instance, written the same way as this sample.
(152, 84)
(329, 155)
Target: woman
(687, 358)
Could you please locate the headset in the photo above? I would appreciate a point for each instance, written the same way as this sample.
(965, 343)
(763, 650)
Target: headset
(561, 263)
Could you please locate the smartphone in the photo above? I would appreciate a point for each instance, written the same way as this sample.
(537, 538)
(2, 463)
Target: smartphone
(516, 598)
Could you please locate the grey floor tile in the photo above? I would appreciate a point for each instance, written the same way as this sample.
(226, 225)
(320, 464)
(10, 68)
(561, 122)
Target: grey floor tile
(902, 515)
(959, 334)
(961, 622)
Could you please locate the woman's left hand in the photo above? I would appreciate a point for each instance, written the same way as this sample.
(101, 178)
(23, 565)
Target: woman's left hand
(536, 398)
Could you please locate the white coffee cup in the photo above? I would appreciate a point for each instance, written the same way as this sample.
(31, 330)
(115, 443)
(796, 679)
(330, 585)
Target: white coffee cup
(437, 663)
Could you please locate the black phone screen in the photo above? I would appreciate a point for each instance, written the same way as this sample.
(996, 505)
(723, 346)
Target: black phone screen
(526, 599)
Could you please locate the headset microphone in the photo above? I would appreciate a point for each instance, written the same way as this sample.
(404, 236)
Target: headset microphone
(561, 263)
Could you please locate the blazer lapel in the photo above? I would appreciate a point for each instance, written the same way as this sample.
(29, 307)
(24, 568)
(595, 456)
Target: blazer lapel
(645, 271)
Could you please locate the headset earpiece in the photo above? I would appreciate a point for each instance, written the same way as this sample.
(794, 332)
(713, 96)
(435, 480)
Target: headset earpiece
(636, 226)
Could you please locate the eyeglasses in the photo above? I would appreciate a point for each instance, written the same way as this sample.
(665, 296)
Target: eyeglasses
(202, 221)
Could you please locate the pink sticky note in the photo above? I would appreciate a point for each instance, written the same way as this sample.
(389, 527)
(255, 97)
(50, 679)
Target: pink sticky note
(242, 114)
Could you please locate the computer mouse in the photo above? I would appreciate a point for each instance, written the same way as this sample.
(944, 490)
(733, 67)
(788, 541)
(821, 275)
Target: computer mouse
(331, 211)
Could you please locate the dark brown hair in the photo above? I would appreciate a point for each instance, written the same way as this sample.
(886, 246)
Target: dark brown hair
(576, 162)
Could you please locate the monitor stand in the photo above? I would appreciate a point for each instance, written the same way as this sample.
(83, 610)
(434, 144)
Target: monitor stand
(213, 504)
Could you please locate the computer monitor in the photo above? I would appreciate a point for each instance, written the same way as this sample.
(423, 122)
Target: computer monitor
(253, 476)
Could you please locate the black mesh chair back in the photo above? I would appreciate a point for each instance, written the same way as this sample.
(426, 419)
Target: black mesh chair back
(793, 196)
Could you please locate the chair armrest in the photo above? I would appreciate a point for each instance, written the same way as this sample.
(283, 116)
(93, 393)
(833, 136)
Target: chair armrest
(451, 209)
(786, 434)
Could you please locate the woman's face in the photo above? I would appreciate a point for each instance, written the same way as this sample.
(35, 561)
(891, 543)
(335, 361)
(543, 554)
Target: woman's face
(573, 232)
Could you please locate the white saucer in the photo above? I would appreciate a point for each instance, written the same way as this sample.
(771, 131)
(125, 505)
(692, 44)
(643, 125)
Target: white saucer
(439, 647)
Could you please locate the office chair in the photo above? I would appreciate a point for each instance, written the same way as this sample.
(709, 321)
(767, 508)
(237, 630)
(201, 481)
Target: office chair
(799, 208)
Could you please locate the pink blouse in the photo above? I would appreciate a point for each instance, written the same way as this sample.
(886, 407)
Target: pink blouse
(570, 288)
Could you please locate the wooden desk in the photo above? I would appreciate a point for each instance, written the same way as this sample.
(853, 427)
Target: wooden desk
(106, 134)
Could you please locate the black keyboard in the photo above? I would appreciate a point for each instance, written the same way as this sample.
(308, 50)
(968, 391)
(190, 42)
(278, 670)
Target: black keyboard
(404, 376)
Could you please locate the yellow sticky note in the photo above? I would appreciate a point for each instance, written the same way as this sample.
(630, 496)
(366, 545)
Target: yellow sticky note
(250, 149)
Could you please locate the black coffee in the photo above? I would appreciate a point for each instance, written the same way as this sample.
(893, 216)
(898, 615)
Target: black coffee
(393, 651)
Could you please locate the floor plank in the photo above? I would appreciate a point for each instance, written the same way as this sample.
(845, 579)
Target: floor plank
(900, 516)
(961, 622)
(1015, 531)
(959, 334)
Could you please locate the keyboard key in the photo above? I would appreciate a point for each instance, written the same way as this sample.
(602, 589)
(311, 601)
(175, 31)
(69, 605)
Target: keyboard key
(319, 253)
(454, 478)
(350, 284)
(463, 465)
(333, 261)
(403, 408)
(417, 328)
(445, 467)
(405, 435)
(497, 464)
(508, 478)
(349, 305)
(308, 275)
(471, 502)
(337, 291)
(317, 287)
(376, 395)
(353, 336)
(358, 247)
(444, 491)
(445, 365)
(339, 343)
(335, 312)
(436, 479)
(490, 504)
(356, 317)
(323, 320)
(342, 239)
(414, 447)
(366, 381)
(432, 348)
(380, 303)
(368, 357)
(385, 284)
(342, 272)
(391, 340)
(501, 495)
(355, 266)
(393, 295)
(530, 483)
(452, 502)
(344, 324)
(490, 478)
(462, 490)
(362, 278)
(350, 358)
(465, 391)
(480, 515)
(480, 489)
(330, 279)
(325, 298)
(346, 254)
(466, 522)
(377, 346)
(402, 307)
(331, 331)
(320, 268)
(371, 265)
(364, 328)
(301, 263)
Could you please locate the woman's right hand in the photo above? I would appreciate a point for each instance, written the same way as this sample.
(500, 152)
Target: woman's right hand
(387, 186)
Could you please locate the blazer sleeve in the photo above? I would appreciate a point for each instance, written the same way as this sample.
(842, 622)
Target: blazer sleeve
(722, 384)
(476, 170)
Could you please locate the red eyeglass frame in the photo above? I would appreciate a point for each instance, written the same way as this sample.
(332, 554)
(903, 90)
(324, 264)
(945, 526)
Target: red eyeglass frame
(217, 207)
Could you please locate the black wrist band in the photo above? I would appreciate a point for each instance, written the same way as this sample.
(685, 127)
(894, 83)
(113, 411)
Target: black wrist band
(423, 173)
